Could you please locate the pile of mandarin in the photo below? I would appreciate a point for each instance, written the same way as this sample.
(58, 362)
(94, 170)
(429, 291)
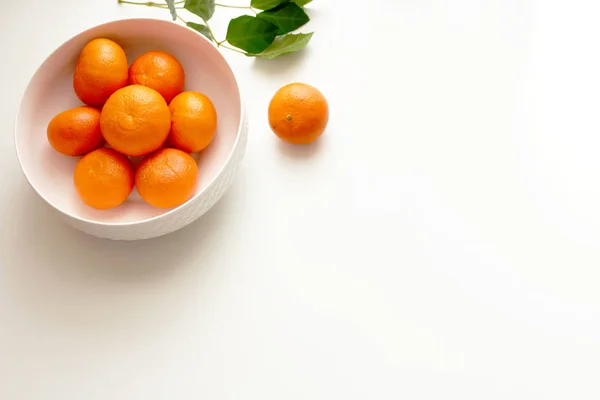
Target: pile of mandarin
(140, 110)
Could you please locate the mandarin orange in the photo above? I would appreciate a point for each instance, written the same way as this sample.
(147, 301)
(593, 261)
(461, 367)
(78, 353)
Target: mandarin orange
(298, 113)
(166, 178)
(104, 178)
(76, 131)
(193, 122)
(101, 70)
(160, 71)
(135, 120)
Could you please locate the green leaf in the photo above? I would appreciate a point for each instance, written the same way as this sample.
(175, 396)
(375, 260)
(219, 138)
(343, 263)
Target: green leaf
(287, 17)
(203, 29)
(267, 4)
(171, 4)
(251, 34)
(284, 45)
(202, 8)
(302, 3)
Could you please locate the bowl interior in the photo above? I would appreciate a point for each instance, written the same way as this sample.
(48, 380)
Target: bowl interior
(51, 92)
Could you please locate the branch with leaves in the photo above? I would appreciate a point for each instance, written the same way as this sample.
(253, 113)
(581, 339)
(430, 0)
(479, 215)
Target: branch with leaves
(265, 34)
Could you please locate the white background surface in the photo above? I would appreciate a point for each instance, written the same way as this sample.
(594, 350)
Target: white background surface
(441, 242)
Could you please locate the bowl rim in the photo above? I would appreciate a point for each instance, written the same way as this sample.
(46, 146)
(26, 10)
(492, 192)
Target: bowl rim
(174, 210)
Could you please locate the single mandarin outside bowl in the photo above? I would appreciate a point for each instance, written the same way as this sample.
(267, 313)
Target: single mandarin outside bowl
(50, 92)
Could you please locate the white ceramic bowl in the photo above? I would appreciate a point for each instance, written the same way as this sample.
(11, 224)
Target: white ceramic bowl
(51, 91)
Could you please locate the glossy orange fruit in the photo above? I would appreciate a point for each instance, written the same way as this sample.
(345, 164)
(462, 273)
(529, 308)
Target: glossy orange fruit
(193, 122)
(298, 113)
(76, 131)
(167, 178)
(101, 70)
(160, 71)
(104, 178)
(135, 120)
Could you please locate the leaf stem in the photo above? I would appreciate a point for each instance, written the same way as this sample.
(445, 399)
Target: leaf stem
(231, 48)
(212, 35)
(146, 3)
(149, 3)
(161, 5)
(228, 6)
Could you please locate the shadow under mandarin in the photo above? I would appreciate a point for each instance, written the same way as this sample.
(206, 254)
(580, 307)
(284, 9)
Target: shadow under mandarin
(75, 282)
(300, 152)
